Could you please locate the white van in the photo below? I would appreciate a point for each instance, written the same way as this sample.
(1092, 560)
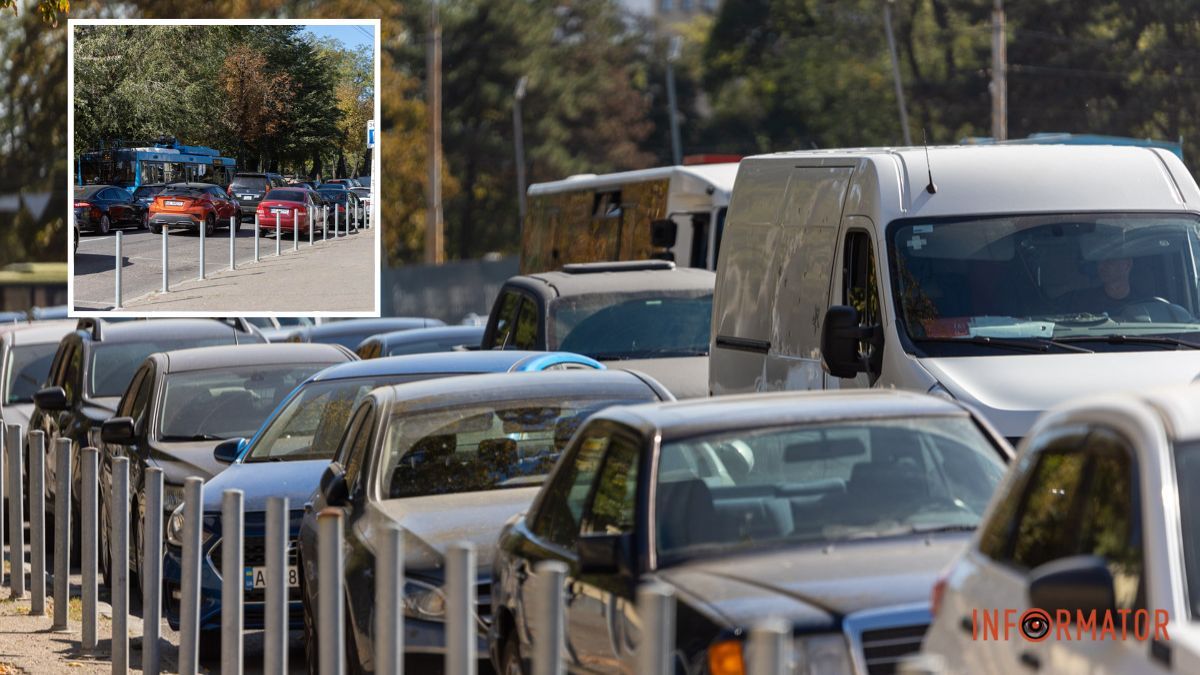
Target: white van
(1007, 277)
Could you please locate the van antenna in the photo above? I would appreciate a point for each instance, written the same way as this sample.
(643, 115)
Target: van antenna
(931, 188)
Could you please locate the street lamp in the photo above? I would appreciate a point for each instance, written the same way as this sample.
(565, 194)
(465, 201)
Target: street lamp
(519, 142)
(672, 57)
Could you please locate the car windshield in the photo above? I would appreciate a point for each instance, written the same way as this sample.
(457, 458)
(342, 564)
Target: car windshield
(479, 447)
(28, 367)
(1098, 281)
(823, 483)
(145, 192)
(632, 325)
(113, 364)
(1187, 475)
(227, 402)
(313, 421)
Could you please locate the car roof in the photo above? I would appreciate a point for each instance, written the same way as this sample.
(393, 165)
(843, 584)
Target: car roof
(146, 185)
(42, 332)
(624, 281)
(490, 361)
(449, 392)
(92, 189)
(201, 186)
(132, 331)
(252, 174)
(384, 325)
(265, 354)
(400, 337)
(751, 411)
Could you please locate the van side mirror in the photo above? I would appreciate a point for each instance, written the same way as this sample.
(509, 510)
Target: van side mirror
(840, 337)
(1079, 583)
(227, 451)
(333, 485)
(118, 431)
(50, 398)
(663, 233)
(605, 554)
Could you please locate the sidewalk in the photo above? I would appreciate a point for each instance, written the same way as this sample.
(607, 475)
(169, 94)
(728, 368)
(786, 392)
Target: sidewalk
(334, 275)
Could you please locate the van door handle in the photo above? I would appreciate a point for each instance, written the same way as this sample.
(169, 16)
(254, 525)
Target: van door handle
(1030, 660)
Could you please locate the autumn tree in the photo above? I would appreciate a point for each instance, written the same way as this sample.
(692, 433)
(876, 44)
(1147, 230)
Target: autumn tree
(256, 101)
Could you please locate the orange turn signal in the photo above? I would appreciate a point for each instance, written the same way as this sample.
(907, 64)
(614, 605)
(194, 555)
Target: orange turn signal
(725, 658)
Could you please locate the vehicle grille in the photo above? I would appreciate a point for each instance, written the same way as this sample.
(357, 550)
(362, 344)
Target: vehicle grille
(884, 648)
(254, 554)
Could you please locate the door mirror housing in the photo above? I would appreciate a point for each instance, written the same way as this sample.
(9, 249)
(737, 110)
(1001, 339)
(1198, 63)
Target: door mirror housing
(333, 485)
(605, 554)
(840, 336)
(663, 233)
(51, 398)
(1080, 583)
(229, 450)
(118, 431)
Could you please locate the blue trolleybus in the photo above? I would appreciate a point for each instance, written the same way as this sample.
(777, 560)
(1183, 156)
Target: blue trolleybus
(164, 161)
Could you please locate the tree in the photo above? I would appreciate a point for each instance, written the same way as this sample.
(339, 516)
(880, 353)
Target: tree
(257, 101)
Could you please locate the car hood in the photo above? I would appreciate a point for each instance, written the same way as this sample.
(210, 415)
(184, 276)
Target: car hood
(683, 376)
(432, 523)
(1012, 390)
(258, 481)
(184, 460)
(815, 586)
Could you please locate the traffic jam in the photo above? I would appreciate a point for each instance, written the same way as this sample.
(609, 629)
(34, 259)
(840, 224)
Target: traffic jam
(869, 411)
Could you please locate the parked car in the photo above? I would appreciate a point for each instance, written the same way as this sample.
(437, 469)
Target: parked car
(144, 194)
(281, 204)
(249, 188)
(26, 350)
(363, 194)
(192, 206)
(1098, 514)
(293, 446)
(449, 459)
(420, 341)
(99, 208)
(646, 314)
(348, 182)
(350, 333)
(342, 199)
(833, 512)
(92, 369)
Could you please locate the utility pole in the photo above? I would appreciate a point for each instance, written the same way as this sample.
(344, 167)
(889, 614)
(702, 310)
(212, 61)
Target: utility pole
(434, 235)
(672, 57)
(999, 85)
(519, 142)
(891, 39)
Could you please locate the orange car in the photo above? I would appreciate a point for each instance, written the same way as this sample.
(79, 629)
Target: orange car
(192, 205)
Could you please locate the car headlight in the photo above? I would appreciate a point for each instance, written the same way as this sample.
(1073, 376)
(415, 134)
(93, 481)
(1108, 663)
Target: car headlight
(172, 497)
(824, 654)
(424, 601)
(175, 529)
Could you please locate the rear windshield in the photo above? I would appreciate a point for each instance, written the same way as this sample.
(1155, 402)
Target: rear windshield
(333, 186)
(256, 183)
(336, 197)
(181, 191)
(647, 325)
(82, 192)
(112, 365)
(145, 191)
(287, 195)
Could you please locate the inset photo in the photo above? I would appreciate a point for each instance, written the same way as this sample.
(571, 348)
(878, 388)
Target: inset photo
(224, 167)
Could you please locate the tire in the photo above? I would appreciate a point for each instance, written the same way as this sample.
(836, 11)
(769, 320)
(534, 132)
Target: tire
(510, 657)
(145, 221)
(105, 224)
(210, 225)
(156, 229)
(104, 554)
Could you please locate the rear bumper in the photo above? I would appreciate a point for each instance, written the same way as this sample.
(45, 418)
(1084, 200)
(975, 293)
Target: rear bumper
(175, 220)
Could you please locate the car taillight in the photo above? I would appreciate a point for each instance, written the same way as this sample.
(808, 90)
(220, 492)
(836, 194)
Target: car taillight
(725, 658)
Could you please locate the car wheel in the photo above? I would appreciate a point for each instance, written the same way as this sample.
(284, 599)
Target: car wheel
(510, 658)
(105, 224)
(145, 221)
(156, 229)
(105, 557)
(210, 225)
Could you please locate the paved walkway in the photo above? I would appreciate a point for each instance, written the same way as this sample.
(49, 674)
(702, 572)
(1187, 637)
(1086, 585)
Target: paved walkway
(335, 275)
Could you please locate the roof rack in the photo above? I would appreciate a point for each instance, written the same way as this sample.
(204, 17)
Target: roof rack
(622, 266)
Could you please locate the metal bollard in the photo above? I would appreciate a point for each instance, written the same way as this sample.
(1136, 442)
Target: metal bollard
(117, 274)
(460, 609)
(3, 498)
(324, 222)
(256, 233)
(152, 556)
(548, 650)
(166, 286)
(308, 220)
(330, 626)
(62, 531)
(336, 229)
(770, 648)
(295, 230)
(232, 556)
(232, 241)
(37, 521)
(14, 435)
(389, 602)
(656, 613)
(189, 599)
(275, 639)
(89, 527)
(118, 509)
(276, 233)
(203, 227)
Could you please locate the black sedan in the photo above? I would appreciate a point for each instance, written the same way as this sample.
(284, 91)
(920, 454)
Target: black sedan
(834, 512)
(99, 208)
(447, 459)
(144, 194)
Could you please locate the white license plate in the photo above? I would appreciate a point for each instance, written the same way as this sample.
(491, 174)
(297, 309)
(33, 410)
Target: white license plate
(247, 196)
(256, 577)
(171, 202)
(283, 211)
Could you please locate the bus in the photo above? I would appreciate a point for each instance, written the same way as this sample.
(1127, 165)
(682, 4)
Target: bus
(164, 161)
(673, 213)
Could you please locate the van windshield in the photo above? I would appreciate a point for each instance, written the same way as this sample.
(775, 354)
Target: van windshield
(1059, 282)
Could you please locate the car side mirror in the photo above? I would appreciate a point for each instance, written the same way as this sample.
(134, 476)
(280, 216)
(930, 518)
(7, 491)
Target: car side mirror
(228, 451)
(1081, 583)
(333, 485)
(118, 431)
(605, 554)
(840, 335)
(663, 233)
(51, 398)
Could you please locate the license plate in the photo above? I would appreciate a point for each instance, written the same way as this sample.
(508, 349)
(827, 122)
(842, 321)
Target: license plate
(247, 196)
(283, 211)
(256, 577)
(171, 202)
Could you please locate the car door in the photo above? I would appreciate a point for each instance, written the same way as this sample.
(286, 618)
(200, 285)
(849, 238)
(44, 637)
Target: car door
(118, 208)
(507, 307)
(358, 556)
(856, 284)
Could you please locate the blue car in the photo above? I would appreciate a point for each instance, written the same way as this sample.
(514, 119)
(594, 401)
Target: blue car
(286, 457)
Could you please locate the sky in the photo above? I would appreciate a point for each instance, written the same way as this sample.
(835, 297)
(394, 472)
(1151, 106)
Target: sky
(352, 36)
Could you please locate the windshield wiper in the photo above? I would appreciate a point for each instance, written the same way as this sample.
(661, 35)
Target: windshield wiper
(1119, 339)
(943, 528)
(1041, 345)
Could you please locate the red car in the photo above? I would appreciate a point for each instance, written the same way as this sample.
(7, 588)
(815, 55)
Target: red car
(281, 203)
(193, 205)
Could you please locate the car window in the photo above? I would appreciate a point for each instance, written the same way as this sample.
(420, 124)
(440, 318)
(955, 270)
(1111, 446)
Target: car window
(628, 325)
(614, 500)
(249, 183)
(860, 288)
(525, 332)
(1187, 474)
(70, 379)
(360, 447)
(125, 408)
(142, 398)
(28, 366)
(112, 365)
(563, 500)
(228, 402)
(506, 318)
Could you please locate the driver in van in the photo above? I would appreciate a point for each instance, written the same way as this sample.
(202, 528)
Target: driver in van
(1110, 296)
